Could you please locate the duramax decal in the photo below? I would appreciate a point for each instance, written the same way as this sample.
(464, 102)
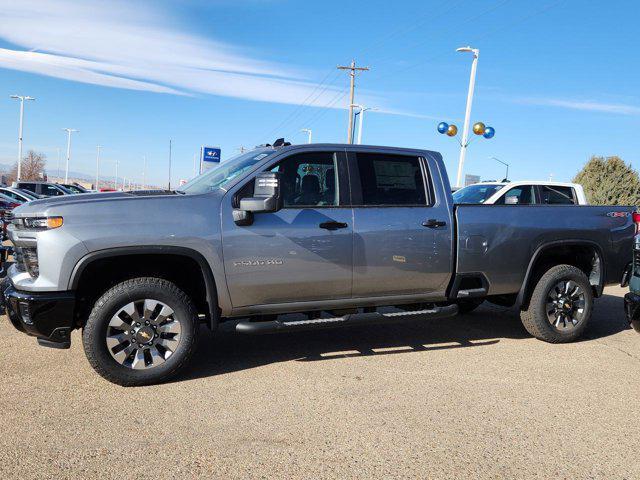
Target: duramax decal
(258, 263)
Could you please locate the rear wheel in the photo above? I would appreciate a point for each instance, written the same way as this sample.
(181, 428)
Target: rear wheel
(141, 331)
(560, 306)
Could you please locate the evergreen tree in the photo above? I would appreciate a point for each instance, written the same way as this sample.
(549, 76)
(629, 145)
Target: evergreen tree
(609, 181)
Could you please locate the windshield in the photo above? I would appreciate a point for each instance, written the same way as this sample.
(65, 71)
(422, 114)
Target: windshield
(226, 171)
(478, 193)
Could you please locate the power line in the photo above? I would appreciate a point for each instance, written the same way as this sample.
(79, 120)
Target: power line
(319, 114)
(302, 106)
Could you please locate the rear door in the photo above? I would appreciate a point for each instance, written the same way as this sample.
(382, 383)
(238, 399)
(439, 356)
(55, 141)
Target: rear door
(302, 252)
(402, 228)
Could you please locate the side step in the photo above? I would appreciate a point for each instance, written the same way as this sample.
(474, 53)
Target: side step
(374, 318)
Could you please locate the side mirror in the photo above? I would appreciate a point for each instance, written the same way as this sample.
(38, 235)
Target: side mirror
(511, 200)
(266, 198)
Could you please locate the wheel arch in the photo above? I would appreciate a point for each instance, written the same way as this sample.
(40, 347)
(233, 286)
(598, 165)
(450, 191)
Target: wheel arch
(551, 253)
(210, 288)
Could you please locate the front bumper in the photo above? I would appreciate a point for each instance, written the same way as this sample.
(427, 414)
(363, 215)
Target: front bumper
(632, 310)
(47, 315)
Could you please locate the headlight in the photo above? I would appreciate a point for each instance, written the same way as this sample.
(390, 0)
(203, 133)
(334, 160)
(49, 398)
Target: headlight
(38, 223)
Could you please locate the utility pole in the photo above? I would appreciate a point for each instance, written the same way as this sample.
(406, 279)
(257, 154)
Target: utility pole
(195, 168)
(352, 73)
(66, 171)
(22, 98)
(467, 115)
(169, 165)
(144, 171)
(98, 147)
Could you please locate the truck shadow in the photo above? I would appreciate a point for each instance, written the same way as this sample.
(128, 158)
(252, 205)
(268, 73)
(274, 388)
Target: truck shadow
(229, 352)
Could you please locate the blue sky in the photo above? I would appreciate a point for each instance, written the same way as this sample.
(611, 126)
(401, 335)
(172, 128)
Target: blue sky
(555, 79)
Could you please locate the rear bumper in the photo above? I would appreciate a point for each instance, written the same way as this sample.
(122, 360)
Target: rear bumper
(632, 310)
(47, 315)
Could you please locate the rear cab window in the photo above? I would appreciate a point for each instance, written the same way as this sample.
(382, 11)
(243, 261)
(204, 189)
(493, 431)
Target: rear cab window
(390, 180)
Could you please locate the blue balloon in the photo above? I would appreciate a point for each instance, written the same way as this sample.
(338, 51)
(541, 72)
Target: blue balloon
(489, 132)
(443, 127)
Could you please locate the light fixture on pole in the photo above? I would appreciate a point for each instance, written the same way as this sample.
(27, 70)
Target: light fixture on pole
(98, 147)
(308, 132)
(22, 98)
(361, 110)
(506, 177)
(467, 115)
(66, 170)
(115, 184)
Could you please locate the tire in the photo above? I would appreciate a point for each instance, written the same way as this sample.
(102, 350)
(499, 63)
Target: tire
(127, 361)
(551, 326)
(468, 306)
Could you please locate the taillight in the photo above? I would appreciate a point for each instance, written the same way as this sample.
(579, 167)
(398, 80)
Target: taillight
(636, 220)
(13, 205)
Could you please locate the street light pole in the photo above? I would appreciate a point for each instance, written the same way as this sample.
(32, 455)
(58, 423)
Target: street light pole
(503, 163)
(361, 120)
(66, 171)
(22, 98)
(98, 147)
(308, 132)
(467, 115)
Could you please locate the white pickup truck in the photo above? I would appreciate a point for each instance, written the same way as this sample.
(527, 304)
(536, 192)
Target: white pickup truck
(521, 193)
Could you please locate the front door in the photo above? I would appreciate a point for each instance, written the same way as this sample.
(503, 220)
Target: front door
(302, 252)
(402, 231)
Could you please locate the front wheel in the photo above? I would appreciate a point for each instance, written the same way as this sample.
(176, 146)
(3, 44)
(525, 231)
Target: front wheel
(560, 306)
(140, 332)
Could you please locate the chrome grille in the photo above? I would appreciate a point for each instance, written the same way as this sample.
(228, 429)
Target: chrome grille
(18, 256)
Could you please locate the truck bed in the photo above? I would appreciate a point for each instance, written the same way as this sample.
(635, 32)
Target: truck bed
(501, 242)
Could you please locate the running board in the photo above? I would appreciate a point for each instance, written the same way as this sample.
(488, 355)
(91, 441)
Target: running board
(374, 318)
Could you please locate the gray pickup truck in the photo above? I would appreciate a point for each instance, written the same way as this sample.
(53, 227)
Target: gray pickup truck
(328, 232)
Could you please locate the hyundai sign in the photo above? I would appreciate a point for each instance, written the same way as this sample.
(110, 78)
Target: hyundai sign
(210, 157)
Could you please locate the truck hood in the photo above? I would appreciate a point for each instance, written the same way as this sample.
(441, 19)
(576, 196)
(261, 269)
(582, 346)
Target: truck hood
(43, 205)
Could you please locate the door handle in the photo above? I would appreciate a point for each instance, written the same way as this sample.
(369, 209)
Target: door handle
(332, 225)
(433, 223)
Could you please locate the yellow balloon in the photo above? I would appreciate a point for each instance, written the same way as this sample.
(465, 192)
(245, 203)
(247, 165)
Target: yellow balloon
(452, 130)
(479, 128)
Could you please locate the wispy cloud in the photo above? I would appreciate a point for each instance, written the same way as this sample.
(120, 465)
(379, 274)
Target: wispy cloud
(586, 105)
(129, 45)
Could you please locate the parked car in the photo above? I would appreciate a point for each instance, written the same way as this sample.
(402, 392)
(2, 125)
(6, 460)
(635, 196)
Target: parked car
(18, 195)
(45, 189)
(328, 231)
(74, 187)
(7, 204)
(521, 193)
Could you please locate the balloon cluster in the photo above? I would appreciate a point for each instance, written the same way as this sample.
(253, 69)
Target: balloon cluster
(478, 128)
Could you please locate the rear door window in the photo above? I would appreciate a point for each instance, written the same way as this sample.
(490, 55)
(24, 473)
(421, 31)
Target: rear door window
(554, 195)
(390, 180)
